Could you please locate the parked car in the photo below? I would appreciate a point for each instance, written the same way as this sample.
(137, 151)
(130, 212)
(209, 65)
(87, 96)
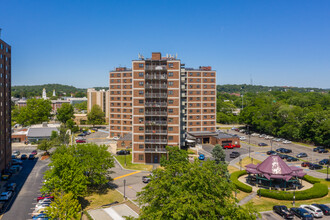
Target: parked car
(11, 187)
(201, 157)
(316, 149)
(314, 166)
(242, 130)
(325, 209)
(301, 213)
(45, 200)
(23, 157)
(42, 216)
(34, 152)
(231, 146)
(286, 142)
(80, 141)
(324, 162)
(283, 211)
(290, 159)
(254, 134)
(322, 151)
(13, 157)
(305, 164)
(31, 157)
(262, 144)
(277, 139)
(16, 162)
(283, 156)
(146, 179)
(268, 137)
(42, 205)
(313, 210)
(284, 150)
(271, 152)
(233, 128)
(234, 154)
(94, 129)
(37, 212)
(16, 153)
(242, 138)
(300, 155)
(45, 196)
(262, 135)
(123, 152)
(116, 138)
(6, 195)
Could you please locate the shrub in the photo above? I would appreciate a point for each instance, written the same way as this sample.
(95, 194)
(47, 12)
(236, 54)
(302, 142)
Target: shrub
(317, 191)
(311, 179)
(241, 186)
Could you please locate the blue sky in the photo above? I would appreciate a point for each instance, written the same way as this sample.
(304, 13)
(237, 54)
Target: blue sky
(77, 43)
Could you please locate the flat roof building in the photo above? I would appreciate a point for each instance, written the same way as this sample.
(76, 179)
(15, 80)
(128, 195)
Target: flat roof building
(158, 101)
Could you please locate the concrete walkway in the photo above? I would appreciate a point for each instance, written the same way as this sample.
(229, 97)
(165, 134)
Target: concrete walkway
(247, 198)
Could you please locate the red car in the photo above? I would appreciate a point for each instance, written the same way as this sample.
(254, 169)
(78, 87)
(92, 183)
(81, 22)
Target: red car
(46, 196)
(306, 164)
(34, 152)
(80, 141)
(231, 146)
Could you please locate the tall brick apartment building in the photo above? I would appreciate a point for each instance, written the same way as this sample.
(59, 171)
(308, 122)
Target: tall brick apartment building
(159, 101)
(5, 105)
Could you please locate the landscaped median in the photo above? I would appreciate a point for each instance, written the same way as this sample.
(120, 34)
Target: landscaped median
(317, 191)
(241, 186)
(130, 165)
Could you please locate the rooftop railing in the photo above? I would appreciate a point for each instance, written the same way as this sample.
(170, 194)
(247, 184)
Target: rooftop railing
(156, 67)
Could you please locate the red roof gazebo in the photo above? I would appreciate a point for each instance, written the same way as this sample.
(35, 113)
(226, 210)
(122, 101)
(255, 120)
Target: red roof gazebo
(274, 168)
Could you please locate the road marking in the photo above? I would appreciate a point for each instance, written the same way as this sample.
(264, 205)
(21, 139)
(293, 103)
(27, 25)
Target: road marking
(126, 175)
(130, 187)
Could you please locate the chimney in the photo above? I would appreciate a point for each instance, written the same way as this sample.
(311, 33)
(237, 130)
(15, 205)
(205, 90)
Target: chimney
(156, 56)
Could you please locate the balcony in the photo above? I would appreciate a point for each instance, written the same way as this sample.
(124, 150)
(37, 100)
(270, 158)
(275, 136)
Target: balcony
(156, 141)
(156, 123)
(154, 67)
(156, 76)
(156, 132)
(156, 149)
(156, 86)
(156, 95)
(156, 113)
(155, 104)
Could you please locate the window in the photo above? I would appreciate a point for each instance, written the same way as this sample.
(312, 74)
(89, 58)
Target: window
(170, 138)
(170, 74)
(140, 92)
(141, 157)
(170, 101)
(190, 86)
(170, 65)
(140, 83)
(140, 120)
(140, 110)
(170, 110)
(190, 74)
(212, 80)
(141, 74)
(205, 117)
(212, 74)
(205, 74)
(170, 128)
(170, 120)
(141, 138)
(141, 65)
(170, 92)
(141, 146)
(118, 80)
(198, 80)
(112, 75)
(198, 74)
(170, 83)
(205, 86)
(124, 74)
(141, 129)
(141, 101)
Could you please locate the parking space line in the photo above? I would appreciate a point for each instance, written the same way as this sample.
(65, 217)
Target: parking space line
(129, 174)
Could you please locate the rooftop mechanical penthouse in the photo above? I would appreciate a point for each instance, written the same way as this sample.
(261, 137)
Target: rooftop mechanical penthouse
(158, 101)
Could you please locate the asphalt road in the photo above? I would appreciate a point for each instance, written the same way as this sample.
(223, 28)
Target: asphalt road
(207, 149)
(29, 182)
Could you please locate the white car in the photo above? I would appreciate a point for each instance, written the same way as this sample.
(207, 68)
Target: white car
(286, 142)
(46, 200)
(115, 138)
(242, 130)
(42, 205)
(254, 134)
(268, 137)
(315, 211)
(6, 195)
(242, 138)
(262, 135)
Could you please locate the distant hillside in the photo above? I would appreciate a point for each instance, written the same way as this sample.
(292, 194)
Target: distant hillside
(233, 88)
(32, 91)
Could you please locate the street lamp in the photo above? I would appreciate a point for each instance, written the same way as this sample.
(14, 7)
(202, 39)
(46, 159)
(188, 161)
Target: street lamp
(271, 144)
(240, 163)
(125, 157)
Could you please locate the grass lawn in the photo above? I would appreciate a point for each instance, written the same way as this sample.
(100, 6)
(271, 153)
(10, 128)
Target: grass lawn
(246, 161)
(241, 195)
(190, 151)
(266, 204)
(232, 169)
(324, 170)
(303, 144)
(130, 165)
(97, 200)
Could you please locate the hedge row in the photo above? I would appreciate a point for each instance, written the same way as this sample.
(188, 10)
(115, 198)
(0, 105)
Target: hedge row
(317, 191)
(241, 186)
(311, 179)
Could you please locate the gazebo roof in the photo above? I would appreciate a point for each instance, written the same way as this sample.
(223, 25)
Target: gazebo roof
(274, 167)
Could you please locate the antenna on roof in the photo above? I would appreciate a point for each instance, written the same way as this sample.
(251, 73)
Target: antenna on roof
(139, 55)
(176, 55)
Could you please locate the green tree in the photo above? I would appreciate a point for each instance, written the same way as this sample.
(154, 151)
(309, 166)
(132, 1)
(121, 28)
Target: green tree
(218, 154)
(36, 111)
(81, 106)
(194, 191)
(65, 206)
(65, 113)
(45, 145)
(96, 115)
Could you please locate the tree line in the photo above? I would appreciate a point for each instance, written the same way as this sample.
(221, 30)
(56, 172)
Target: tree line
(292, 115)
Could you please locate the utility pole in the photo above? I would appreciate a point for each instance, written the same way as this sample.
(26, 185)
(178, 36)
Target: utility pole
(125, 189)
